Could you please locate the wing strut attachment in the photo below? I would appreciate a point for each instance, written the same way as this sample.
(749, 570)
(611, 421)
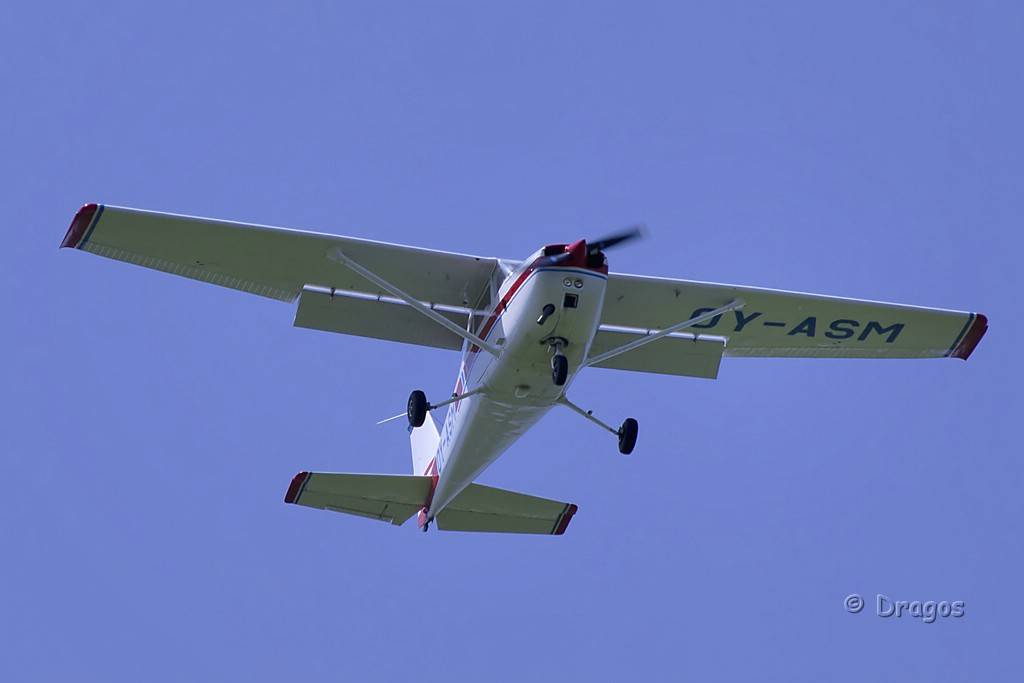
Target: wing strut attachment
(339, 256)
(734, 305)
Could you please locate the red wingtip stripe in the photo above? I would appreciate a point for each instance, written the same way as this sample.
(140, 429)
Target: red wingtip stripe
(563, 522)
(966, 346)
(79, 225)
(295, 488)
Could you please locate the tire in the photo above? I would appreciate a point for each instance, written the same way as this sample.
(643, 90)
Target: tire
(559, 370)
(417, 410)
(627, 435)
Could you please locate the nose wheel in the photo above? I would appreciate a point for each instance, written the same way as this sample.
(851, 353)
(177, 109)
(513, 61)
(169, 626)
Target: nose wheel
(559, 363)
(559, 369)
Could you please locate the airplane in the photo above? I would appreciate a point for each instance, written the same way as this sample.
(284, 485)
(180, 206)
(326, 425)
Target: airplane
(525, 330)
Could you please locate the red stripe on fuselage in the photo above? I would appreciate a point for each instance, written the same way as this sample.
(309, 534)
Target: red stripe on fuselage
(503, 304)
(499, 308)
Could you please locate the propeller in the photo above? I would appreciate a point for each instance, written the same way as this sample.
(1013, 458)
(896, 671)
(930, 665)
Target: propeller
(599, 245)
(630, 233)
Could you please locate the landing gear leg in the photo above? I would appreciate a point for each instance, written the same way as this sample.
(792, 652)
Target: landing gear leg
(626, 434)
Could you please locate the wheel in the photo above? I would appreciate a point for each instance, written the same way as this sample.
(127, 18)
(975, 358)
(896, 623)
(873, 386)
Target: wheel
(417, 410)
(627, 435)
(559, 370)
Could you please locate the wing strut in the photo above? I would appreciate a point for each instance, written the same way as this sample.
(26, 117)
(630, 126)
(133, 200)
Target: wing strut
(734, 305)
(339, 256)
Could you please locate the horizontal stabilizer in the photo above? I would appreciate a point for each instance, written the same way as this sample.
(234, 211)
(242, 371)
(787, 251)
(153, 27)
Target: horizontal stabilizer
(483, 508)
(395, 498)
(387, 497)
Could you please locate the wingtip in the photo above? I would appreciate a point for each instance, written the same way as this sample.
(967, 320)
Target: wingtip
(295, 488)
(80, 224)
(966, 346)
(563, 522)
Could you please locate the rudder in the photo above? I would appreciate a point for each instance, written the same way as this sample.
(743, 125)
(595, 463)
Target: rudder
(424, 441)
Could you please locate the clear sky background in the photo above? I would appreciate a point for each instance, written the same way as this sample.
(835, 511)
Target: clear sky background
(151, 424)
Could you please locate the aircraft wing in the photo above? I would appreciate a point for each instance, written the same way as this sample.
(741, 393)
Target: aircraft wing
(779, 323)
(272, 262)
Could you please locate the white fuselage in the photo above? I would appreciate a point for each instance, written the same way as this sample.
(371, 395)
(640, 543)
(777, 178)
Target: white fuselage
(517, 388)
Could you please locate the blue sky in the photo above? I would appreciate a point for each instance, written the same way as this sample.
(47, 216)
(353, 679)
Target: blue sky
(152, 424)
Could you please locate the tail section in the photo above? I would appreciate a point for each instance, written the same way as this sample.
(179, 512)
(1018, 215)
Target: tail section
(424, 441)
(485, 508)
(391, 498)
(395, 498)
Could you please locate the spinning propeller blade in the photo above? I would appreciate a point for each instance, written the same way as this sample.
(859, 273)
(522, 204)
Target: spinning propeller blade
(630, 233)
(598, 246)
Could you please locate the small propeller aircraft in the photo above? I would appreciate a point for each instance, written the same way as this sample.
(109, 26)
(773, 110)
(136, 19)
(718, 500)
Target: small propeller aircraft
(525, 330)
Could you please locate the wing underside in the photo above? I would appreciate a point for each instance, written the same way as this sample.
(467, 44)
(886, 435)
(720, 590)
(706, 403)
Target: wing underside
(378, 317)
(271, 262)
(792, 324)
(682, 353)
(279, 263)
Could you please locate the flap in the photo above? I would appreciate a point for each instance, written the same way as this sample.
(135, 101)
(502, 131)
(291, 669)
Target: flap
(676, 354)
(321, 308)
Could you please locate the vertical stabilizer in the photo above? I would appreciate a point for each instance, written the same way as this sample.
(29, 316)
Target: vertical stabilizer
(424, 441)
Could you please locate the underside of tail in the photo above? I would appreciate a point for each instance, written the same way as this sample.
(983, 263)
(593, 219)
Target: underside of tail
(396, 498)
